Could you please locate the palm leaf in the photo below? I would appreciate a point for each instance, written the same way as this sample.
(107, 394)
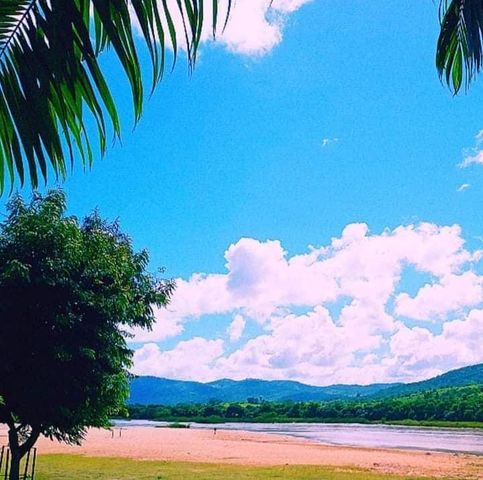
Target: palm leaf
(52, 85)
(459, 54)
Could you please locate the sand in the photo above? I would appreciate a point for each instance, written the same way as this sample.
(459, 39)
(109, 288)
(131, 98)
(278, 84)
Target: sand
(247, 448)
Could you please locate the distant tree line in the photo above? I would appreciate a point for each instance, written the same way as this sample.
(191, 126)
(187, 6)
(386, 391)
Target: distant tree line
(456, 404)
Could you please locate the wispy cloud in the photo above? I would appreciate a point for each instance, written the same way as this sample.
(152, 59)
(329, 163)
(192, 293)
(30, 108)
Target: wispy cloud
(463, 187)
(476, 159)
(473, 156)
(329, 141)
(235, 330)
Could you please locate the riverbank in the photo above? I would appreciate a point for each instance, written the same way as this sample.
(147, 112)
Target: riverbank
(450, 440)
(262, 450)
(362, 421)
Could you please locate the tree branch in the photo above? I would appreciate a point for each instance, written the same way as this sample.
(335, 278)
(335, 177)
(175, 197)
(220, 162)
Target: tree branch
(30, 442)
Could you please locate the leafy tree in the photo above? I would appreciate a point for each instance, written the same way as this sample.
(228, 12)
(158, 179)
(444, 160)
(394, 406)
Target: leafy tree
(235, 410)
(69, 291)
(51, 79)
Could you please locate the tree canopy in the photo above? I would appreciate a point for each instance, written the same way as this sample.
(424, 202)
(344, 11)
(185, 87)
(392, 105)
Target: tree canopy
(69, 292)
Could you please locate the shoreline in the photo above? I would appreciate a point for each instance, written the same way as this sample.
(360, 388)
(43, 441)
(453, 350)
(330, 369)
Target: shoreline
(263, 449)
(305, 435)
(457, 426)
(439, 424)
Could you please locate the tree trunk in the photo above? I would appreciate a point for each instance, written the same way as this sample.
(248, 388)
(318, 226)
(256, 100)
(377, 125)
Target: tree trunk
(15, 453)
(17, 450)
(14, 465)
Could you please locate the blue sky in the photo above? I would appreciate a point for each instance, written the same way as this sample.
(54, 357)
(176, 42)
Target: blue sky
(237, 151)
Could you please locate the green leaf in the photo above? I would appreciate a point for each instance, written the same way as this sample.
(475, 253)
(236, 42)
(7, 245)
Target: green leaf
(51, 80)
(459, 53)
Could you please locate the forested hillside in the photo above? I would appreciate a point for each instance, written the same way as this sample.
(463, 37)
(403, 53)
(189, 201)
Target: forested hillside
(472, 375)
(456, 404)
(153, 390)
(161, 391)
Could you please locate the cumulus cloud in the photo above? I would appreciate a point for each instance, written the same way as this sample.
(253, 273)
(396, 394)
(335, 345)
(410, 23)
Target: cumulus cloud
(435, 301)
(254, 27)
(336, 313)
(190, 359)
(308, 347)
(417, 350)
(166, 325)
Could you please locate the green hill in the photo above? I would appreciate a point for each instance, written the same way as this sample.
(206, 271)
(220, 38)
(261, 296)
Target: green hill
(472, 375)
(162, 391)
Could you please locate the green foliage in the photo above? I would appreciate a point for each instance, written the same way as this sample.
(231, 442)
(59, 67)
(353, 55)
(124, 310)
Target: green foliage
(463, 404)
(459, 53)
(69, 291)
(51, 80)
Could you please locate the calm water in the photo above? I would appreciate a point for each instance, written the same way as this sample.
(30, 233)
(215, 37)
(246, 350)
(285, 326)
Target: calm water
(390, 436)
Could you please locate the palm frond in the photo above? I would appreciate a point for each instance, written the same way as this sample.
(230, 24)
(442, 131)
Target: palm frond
(459, 53)
(51, 82)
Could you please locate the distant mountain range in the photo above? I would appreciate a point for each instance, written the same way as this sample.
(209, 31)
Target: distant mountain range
(162, 391)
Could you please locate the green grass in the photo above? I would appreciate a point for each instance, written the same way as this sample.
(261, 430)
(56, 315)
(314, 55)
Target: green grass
(437, 423)
(76, 467)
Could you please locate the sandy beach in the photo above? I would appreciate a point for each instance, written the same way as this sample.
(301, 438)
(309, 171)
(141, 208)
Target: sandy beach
(246, 448)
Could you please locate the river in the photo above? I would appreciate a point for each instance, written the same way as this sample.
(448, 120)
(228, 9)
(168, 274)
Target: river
(457, 440)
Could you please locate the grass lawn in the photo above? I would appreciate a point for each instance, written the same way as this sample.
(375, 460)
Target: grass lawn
(74, 467)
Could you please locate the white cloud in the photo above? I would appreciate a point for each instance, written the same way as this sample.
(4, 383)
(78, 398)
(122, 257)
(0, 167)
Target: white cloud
(308, 347)
(336, 313)
(463, 187)
(288, 6)
(476, 159)
(190, 359)
(329, 141)
(435, 301)
(416, 351)
(235, 330)
(250, 31)
(473, 156)
(254, 27)
(166, 325)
